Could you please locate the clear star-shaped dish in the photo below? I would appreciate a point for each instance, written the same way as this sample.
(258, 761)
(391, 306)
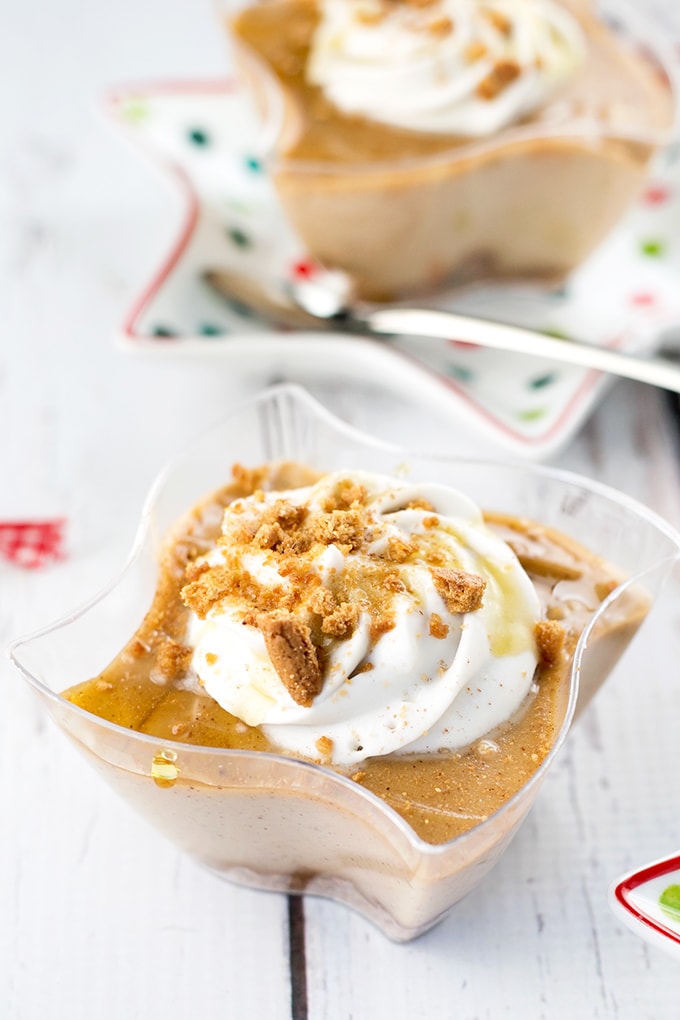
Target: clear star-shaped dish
(287, 825)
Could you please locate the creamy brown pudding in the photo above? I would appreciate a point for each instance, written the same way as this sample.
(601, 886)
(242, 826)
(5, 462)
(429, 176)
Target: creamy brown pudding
(424, 142)
(318, 569)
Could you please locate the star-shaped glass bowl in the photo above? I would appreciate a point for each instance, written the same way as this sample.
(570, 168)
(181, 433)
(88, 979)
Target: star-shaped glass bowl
(282, 824)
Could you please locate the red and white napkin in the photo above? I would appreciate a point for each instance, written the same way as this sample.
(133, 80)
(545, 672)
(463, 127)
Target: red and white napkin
(32, 544)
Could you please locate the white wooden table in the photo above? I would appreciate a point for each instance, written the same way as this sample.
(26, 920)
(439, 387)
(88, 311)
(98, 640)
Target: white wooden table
(99, 917)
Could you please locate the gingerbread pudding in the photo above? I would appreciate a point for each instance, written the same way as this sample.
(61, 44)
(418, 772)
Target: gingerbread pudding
(422, 143)
(386, 631)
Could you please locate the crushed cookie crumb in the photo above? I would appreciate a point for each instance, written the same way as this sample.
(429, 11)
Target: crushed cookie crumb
(392, 582)
(381, 625)
(173, 659)
(322, 601)
(346, 494)
(475, 51)
(603, 589)
(293, 656)
(288, 514)
(324, 746)
(201, 594)
(461, 592)
(398, 550)
(340, 527)
(440, 27)
(498, 79)
(269, 535)
(370, 16)
(430, 522)
(195, 570)
(250, 480)
(342, 622)
(550, 638)
(351, 493)
(137, 649)
(438, 629)
(501, 22)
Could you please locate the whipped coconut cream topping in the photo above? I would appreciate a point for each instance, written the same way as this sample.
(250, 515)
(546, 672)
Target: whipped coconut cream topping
(359, 567)
(464, 67)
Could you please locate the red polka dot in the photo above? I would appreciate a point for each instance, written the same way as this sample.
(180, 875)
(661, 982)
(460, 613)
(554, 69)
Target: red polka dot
(643, 300)
(656, 194)
(304, 269)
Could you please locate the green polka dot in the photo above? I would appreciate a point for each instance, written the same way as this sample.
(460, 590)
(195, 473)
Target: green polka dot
(161, 330)
(253, 164)
(560, 293)
(533, 414)
(669, 901)
(199, 137)
(237, 205)
(461, 372)
(238, 237)
(555, 332)
(652, 249)
(134, 110)
(210, 329)
(543, 380)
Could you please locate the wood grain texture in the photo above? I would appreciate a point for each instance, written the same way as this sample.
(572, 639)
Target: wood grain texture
(99, 917)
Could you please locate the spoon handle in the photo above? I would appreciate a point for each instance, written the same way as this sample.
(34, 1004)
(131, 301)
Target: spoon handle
(450, 326)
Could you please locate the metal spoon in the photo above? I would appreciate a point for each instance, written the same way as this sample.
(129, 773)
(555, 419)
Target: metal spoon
(315, 305)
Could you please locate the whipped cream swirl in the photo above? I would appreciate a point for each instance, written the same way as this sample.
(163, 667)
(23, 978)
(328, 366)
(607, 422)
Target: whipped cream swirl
(462, 67)
(410, 672)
